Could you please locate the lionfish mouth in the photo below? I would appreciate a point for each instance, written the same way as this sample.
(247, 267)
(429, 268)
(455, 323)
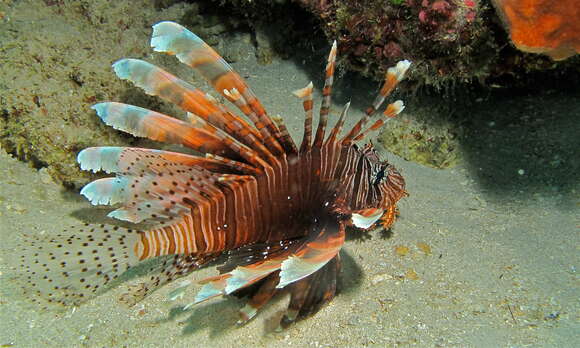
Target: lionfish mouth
(276, 211)
(367, 217)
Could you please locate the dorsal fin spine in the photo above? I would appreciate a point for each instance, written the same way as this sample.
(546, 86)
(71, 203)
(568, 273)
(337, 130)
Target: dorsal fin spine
(326, 97)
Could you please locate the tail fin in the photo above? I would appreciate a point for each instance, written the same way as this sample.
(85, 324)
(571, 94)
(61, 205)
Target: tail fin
(72, 266)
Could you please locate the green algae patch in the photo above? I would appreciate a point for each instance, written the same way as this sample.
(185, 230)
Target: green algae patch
(420, 137)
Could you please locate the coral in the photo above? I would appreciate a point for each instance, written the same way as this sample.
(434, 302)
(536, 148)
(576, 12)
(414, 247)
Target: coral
(450, 41)
(543, 26)
(439, 36)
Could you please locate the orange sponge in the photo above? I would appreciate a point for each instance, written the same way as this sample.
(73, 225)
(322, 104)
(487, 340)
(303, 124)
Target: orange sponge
(551, 27)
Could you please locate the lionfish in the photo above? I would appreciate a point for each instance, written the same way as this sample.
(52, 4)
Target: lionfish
(274, 214)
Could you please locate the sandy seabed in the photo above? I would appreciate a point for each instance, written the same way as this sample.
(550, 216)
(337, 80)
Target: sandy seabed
(469, 263)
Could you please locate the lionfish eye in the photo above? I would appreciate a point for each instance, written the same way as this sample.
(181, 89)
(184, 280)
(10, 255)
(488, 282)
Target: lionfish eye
(380, 174)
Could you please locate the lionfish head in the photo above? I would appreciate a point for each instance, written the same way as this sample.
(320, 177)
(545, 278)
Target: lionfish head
(379, 188)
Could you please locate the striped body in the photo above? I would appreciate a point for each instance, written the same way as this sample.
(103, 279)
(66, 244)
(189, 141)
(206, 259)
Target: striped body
(263, 209)
(274, 213)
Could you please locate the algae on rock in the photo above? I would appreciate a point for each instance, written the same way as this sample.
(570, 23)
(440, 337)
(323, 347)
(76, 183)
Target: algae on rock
(417, 136)
(55, 63)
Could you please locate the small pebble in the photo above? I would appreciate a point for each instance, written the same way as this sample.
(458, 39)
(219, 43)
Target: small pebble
(424, 247)
(411, 274)
(17, 208)
(401, 250)
(45, 177)
(380, 277)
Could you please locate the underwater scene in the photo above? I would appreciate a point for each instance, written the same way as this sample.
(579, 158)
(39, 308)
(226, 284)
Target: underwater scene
(307, 173)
